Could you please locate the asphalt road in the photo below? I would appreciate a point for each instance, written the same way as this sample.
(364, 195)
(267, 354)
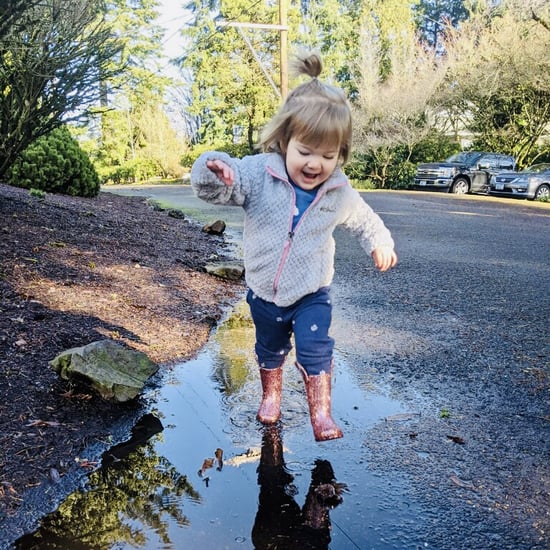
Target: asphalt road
(457, 333)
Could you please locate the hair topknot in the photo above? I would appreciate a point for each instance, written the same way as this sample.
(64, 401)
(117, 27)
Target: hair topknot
(307, 63)
(313, 112)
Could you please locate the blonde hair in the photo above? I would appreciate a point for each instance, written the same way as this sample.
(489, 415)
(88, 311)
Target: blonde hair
(314, 113)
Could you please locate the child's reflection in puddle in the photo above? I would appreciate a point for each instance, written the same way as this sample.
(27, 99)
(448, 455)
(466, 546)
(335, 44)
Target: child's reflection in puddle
(280, 522)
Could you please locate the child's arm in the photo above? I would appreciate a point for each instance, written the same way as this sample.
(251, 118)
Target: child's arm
(216, 178)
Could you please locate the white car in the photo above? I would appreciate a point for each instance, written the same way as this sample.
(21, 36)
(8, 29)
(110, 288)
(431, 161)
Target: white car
(530, 183)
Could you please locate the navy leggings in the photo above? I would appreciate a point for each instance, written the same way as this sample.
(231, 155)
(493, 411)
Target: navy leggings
(308, 319)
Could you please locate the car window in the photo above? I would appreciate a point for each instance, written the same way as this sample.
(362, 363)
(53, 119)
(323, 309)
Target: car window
(488, 161)
(465, 157)
(538, 168)
(505, 163)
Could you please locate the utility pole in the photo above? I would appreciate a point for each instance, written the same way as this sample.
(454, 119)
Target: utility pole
(282, 27)
(283, 46)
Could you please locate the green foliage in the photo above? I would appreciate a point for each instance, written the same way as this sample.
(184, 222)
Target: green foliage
(137, 146)
(394, 167)
(38, 193)
(135, 140)
(55, 163)
(435, 147)
(131, 171)
(51, 61)
(331, 27)
(229, 89)
(539, 153)
(381, 168)
(434, 16)
(238, 150)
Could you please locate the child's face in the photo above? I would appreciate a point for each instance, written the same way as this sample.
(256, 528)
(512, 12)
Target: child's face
(309, 166)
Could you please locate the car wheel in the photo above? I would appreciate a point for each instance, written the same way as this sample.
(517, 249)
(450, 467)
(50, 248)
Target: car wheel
(543, 192)
(460, 186)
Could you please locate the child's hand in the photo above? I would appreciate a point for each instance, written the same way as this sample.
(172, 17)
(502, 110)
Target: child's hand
(384, 257)
(224, 172)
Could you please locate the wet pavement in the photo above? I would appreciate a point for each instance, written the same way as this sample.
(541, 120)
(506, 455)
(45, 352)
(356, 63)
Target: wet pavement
(440, 386)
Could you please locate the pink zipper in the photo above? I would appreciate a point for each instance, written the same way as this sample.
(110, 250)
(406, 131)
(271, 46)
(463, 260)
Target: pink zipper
(286, 247)
(291, 233)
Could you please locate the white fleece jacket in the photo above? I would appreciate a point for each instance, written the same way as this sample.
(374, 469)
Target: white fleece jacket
(282, 265)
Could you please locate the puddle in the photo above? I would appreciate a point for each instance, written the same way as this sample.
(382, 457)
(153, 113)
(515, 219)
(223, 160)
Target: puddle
(200, 472)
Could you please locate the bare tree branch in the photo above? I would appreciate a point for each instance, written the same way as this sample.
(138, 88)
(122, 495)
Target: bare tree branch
(53, 56)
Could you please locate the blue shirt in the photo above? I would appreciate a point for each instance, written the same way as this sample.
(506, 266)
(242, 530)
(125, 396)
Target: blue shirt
(303, 200)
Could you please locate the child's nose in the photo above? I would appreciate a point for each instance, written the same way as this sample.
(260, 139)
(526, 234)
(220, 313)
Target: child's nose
(314, 162)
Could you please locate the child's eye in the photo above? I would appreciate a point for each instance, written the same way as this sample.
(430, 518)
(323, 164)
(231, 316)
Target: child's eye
(303, 153)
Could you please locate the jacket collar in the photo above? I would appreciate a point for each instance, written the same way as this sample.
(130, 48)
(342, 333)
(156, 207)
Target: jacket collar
(275, 165)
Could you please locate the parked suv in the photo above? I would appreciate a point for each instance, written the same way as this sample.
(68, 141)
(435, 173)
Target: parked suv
(465, 172)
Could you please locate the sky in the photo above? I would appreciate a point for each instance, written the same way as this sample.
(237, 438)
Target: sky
(173, 18)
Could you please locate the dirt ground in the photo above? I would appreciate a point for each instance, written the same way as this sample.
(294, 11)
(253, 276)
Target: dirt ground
(76, 270)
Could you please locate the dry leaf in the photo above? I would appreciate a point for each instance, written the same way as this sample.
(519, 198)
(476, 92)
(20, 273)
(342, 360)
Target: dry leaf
(51, 424)
(401, 417)
(464, 484)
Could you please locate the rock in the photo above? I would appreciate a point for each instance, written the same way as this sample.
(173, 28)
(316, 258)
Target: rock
(232, 271)
(115, 372)
(155, 205)
(178, 214)
(215, 228)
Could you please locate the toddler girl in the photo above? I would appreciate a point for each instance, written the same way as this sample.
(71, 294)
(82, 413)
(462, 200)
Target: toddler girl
(294, 195)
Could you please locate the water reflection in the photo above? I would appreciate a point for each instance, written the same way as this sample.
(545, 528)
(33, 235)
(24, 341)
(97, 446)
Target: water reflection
(280, 522)
(140, 498)
(134, 485)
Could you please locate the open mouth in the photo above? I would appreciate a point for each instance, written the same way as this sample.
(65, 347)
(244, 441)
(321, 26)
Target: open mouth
(309, 177)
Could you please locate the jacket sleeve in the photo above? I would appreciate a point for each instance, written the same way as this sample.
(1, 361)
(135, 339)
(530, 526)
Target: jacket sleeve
(208, 187)
(363, 222)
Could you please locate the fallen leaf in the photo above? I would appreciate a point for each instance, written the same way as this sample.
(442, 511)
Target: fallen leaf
(85, 463)
(460, 483)
(207, 464)
(51, 424)
(219, 458)
(401, 417)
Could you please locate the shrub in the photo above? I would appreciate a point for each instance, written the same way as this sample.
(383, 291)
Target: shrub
(55, 163)
(382, 168)
(434, 148)
(132, 171)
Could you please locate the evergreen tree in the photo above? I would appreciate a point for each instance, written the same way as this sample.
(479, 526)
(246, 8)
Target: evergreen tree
(231, 96)
(51, 57)
(135, 145)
